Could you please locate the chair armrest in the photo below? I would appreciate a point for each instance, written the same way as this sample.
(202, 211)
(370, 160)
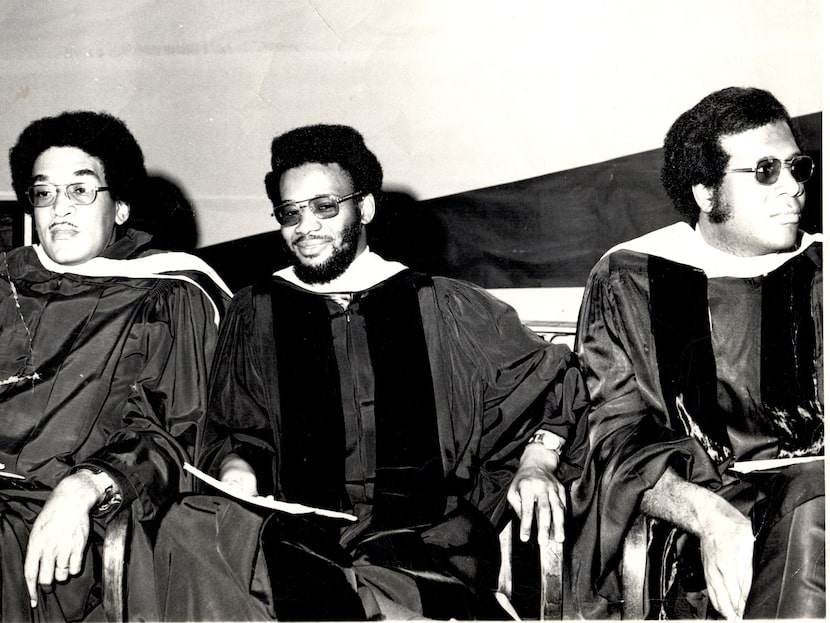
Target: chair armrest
(634, 565)
(505, 586)
(115, 560)
(550, 574)
(550, 563)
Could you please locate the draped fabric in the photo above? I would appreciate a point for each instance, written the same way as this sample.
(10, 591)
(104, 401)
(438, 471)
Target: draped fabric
(484, 384)
(680, 369)
(106, 372)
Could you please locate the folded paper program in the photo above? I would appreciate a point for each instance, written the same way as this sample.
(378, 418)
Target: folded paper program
(744, 467)
(267, 501)
(4, 474)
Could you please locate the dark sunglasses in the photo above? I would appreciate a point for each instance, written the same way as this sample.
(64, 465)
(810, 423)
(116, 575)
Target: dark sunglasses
(322, 206)
(768, 169)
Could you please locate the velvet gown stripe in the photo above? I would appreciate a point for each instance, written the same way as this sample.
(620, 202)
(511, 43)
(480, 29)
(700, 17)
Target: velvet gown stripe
(685, 359)
(788, 386)
(311, 420)
(409, 473)
(408, 487)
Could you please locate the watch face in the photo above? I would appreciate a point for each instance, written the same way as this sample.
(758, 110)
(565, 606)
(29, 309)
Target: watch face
(549, 440)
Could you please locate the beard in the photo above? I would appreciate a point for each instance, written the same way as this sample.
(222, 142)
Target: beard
(337, 263)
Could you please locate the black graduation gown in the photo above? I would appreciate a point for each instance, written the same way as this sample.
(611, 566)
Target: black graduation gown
(121, 367)
(671, 388)
(458, 386)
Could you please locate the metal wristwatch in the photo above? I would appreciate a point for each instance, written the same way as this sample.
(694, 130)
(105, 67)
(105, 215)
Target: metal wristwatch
(550, 441)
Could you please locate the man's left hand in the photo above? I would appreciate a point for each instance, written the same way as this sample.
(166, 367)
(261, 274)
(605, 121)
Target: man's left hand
(535, 486)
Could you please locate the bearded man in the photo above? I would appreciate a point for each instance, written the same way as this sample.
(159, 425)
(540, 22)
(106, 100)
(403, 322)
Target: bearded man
(350, 383)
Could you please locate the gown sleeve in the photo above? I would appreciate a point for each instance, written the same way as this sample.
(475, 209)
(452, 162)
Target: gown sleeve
(238, 420)
(514, 381)
(631, 444)
(165, 359)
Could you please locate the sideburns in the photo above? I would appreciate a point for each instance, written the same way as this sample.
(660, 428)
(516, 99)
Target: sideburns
(721, 210)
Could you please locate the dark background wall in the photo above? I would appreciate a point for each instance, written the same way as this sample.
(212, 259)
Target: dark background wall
(546, 231)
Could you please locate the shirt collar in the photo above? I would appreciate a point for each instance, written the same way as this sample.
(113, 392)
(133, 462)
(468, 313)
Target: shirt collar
(680, 243)
(367, 270)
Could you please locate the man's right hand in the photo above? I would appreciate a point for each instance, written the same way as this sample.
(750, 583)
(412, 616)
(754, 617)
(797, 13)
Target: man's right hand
(238, 473)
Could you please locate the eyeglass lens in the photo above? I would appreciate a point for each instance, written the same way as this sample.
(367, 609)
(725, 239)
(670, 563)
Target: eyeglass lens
(81, 193)
(769, 169)
(321, 207)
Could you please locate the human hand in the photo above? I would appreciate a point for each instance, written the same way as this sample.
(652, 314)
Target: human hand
(239, 474)
(535, 486)
(727, 545)
(59, 535)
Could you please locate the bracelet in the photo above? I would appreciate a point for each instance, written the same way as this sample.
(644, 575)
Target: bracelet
(550, 441)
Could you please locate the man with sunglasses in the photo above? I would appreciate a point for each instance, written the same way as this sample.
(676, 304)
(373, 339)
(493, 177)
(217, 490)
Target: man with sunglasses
(419, 404)
(104, 351)
(701, 344)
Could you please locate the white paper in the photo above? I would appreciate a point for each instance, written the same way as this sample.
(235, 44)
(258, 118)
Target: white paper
(293, 508)
(744, 467)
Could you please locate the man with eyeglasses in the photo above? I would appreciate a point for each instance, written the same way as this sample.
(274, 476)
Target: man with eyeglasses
(701, 344)
(351, 383)
(104, 353)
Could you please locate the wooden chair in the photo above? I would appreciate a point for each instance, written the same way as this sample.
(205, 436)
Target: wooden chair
(634, 565)
(644, 590)
(115, 559)
(551, 313)
(550, 576)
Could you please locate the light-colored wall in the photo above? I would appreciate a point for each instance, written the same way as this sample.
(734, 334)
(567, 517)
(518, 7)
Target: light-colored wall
(451, 94)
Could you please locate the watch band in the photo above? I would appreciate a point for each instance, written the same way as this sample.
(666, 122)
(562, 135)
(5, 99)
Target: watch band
(550, 441)
(109, 497)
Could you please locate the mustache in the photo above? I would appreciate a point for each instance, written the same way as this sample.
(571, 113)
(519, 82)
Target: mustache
(63, 224)
(306, 237)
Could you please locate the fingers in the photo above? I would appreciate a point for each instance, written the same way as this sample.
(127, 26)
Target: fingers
(56, 545)
(528, 500)
(240, 478)
(558, 512)
(543, 519)
(732, 590)
(61, 572)
(41, 568)
(514, 499)
(727, 564)
(30, 572)
(745, 585)
(546, 496)
(243, 483)
(720, 599)
(721, 587)
(550, 515)
(67, 565)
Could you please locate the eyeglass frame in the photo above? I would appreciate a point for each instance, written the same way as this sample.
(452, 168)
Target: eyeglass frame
(337, 200)
(65, 187)
(781, 164)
